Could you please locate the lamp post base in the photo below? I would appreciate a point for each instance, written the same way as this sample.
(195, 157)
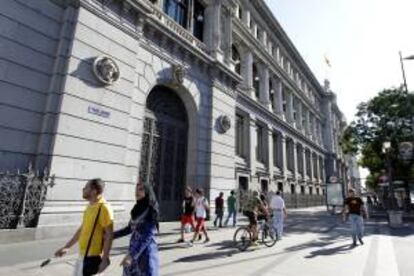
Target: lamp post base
(395, 218)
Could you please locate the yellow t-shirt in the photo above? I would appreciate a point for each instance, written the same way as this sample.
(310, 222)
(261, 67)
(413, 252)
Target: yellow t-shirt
(105, 219)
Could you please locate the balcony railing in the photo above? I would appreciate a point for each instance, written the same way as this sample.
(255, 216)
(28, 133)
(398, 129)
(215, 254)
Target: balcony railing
(176, 28)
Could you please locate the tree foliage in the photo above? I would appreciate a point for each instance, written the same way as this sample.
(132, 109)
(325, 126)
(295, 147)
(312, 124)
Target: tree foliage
(386, 117)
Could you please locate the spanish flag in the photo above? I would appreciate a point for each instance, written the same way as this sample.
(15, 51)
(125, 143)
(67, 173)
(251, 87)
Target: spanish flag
(327, 61)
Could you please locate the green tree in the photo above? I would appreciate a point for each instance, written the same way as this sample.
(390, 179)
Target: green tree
(386, 117)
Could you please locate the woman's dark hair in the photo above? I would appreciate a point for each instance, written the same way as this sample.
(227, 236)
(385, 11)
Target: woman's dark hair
(199, 191)
(97, 184)
(149, 201)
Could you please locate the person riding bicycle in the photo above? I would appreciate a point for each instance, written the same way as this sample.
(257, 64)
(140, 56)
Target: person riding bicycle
(263, 215)
(251, 211)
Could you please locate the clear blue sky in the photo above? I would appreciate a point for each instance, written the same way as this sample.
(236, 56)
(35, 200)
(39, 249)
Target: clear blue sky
(361, 38)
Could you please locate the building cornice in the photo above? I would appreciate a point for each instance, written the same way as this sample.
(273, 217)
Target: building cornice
(267, 15)
(272, 117)
(254, 45)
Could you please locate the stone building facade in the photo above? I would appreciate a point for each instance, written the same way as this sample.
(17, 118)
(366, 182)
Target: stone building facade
(204, 93)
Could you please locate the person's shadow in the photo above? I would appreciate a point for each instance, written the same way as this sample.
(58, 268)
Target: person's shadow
(343, 249)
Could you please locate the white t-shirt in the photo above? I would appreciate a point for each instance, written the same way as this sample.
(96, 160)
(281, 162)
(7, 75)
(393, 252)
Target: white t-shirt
(277, 202)
(200, 209)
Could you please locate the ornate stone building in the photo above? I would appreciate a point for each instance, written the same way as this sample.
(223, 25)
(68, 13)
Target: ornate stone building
(205, 93)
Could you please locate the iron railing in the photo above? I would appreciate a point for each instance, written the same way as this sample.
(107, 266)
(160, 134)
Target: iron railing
(22, 197)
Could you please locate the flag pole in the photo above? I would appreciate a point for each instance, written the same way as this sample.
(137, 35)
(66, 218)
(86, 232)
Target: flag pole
(403, 72)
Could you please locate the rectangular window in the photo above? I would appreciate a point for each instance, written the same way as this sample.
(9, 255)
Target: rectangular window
(260, 151)
(177, 10)
(198, 19)
(275, 149)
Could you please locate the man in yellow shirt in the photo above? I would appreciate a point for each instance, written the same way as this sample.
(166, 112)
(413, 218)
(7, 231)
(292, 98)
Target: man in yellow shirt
(101, 240)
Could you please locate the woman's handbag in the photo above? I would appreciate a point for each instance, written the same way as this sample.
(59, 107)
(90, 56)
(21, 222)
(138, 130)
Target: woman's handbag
(91, 263)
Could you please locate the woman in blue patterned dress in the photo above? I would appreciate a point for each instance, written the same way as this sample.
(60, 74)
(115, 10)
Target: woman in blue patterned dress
(142, 258)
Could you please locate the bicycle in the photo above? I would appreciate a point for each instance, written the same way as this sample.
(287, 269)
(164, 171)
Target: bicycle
(243, 236)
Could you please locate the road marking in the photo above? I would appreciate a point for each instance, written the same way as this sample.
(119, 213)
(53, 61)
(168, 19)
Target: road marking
(386, 261)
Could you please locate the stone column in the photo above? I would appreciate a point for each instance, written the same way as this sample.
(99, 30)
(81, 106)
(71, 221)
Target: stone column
(228, 35)
(247, 70)
(295, 158)
(312, 173)
(284, 156)
(212, 28)
(290, 107)
(278, 97)
(299, 116)
(304, 162)
(314, 127)
(307, 122)
(318, 169)
(264, 85)
(252, 145)
(246, 17)
(270, 153)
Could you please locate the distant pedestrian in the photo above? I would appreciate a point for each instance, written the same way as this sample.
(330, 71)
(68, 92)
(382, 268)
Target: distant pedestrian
(94, 236)
(231, 208)
(201, 207)
(187, 218)
(142, 257)
(277, 205)
(354, 210)
(219, 201)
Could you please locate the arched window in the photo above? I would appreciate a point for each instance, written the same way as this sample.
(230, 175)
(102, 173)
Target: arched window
(235, 55)
(177, 10)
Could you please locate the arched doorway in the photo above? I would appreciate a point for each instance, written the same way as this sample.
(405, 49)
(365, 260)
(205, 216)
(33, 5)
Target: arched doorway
(164, 149)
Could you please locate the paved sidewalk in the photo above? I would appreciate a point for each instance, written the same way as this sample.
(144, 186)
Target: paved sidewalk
(316, 244)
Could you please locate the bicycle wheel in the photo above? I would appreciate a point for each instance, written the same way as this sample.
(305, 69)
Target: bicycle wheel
(242, 238)
(269, 235)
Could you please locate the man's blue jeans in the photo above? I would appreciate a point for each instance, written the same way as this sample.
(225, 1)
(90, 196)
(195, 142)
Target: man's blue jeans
(232, 213)
(357, 226)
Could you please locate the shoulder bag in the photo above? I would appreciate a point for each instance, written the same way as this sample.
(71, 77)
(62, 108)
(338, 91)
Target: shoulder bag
(91, 263)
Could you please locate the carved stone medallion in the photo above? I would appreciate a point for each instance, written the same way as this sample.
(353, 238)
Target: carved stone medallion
(106, 70)
(224, 123)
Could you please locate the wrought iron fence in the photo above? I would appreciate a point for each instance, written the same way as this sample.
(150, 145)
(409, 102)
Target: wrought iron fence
(302, 201)
(22, 197)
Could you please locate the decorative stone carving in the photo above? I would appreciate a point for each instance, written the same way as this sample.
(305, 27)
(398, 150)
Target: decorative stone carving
(178, 74)
(224, 123)
(106, 70)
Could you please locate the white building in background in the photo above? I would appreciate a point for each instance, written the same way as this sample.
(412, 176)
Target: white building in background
(204, 93)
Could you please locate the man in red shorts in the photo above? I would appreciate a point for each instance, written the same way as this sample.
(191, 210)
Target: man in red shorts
(188, 212)
(201, 207)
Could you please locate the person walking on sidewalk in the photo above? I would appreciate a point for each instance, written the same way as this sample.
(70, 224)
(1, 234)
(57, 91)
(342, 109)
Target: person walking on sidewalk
(188, 212)
(277, 205)
(354, 210)
(201, 207)
(142, 257)
(219, 201)
(231, 209)
(94, 236)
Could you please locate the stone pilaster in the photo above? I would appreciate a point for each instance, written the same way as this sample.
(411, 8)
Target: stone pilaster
(279, 97)
(264, 85)
(284, 156)
(247, 70)
(290, 107)
(252, 145)
(270, 158)
(299, 116)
